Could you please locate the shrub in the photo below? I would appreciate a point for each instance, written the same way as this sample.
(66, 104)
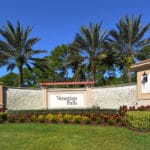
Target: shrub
(51, 118)
(54, 119)
(138, 119)
(1, 121)
(105, 118)
(111, 121)
(123, 121)
(76, 119)
(3, 116)
(33, 118)
(144, 108)
(21, 118)
(59, 117)
(41, 118)
(65, 120)
(11, 118)
(68, 116)
(85, 119)
(123, 110)
(93, 116)
(99, 120)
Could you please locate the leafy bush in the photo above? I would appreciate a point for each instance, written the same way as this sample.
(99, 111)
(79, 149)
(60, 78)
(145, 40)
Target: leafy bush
(41, 118)
(85, 119)
(3, 116)
(11, 118)
(33, 118)
(138, 119)
(76, 119)
(111, 121)
(21, 118)
(93, 116)
(51, 118)
(65, 120)
(68, 116)
(123, 110)
(63, 111)
(59, 117)
(99, 120)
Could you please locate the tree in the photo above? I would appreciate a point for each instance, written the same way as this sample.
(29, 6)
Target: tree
(10, 79)
(58, 62)
(91, 45)
(128, 41)
(144, 53)
(17, 49)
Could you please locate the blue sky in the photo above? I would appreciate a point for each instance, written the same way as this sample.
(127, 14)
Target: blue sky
(57, 21)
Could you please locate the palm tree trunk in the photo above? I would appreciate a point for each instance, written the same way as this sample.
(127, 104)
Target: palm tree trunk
(20, 75)
(129, 76)
(93, 72)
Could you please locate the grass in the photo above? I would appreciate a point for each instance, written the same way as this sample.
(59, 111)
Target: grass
(70, 137)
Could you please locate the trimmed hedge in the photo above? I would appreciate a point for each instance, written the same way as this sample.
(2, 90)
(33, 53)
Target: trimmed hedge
(3, 116)
(138, 119)
(63, 111)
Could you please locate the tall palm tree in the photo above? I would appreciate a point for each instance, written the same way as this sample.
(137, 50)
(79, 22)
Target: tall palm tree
(91, 43)
(128, 40)
(16, 49)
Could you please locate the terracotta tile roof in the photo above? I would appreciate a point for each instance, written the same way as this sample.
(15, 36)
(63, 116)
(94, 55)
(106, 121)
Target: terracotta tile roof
(67, 83)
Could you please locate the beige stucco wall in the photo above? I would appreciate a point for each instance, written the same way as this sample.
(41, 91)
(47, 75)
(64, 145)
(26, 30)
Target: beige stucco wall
(23, 99)
(103, 97)
(114, 97)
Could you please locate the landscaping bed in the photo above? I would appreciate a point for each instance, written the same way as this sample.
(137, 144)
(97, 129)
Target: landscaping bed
(132, 118)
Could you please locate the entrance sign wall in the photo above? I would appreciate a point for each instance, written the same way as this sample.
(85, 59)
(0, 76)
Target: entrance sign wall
(67, 98)
(143, 79)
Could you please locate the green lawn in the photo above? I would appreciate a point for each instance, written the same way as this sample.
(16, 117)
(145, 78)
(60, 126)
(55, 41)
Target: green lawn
(70, 137)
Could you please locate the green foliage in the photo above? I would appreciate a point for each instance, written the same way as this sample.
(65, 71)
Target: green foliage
(127, 41)
(21, 118)
(11, 118)
(86, 120)
(3, 116)
(91, 45)
(144, 53)
(111, 121)
(99, 120)
(76, 119)
(41, 118)
(16, 50)
(64, 111)
(51, 118)
(65, 120)
(138, 119)
(10, 79)
(33, 118)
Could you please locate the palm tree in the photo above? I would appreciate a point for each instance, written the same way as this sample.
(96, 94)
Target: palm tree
(144, 53)
(16, 49)
(91, 43)
(128, 40)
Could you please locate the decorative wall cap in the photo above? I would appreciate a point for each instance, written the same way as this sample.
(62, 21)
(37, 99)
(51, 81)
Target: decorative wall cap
(67, 83)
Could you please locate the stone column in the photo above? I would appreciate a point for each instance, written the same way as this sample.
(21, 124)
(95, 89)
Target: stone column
(45, 97)
(89, 99)
(1, 95)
